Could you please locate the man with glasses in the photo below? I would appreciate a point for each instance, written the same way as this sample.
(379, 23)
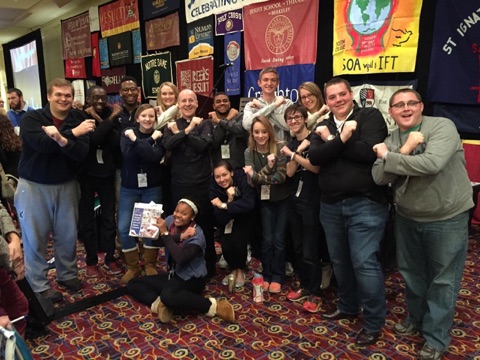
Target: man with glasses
(423, 160)
(353, 208)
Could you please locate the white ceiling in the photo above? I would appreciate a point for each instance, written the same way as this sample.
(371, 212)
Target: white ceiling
(19, 17)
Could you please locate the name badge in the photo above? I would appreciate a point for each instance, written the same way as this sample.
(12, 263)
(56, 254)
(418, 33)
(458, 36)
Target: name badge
(229, 227)
(299, 189)
(265, 192)
(225, 151)
(100, 156)
(142, 180)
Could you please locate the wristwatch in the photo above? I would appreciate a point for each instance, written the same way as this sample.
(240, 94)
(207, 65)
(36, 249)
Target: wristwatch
(165, 233)
(330, 137)
(224, 206)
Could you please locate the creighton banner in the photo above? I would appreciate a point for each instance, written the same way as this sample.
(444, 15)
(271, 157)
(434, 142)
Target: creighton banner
(375, 36)
(156, 69)
(198, 9)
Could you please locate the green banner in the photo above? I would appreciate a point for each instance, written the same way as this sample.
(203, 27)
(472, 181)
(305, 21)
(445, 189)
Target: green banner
(156, 69)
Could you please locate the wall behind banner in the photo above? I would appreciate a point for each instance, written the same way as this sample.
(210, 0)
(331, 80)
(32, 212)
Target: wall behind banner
(54, 65)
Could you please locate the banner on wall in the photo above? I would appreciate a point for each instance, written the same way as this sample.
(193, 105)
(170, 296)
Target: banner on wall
(455, 50)
(120, 49)
(275, 34)
(118, 17)
(95, 56)
(94, 19)
(375, 36)
(137, 46)
(162, 33)
(196, 75)
(156, 69)
(104, 58)
(156, 8)
(79, 91)
(232, 56)
(229, 22)
(290, 78)
(200, 38)
(377, 94)
(75, 68)
(111, 79)
(76, 42)
(198, 9)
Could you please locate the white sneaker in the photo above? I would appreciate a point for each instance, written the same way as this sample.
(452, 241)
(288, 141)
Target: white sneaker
(289, 269)
(222, 263)
(249, 255)
(327, 272)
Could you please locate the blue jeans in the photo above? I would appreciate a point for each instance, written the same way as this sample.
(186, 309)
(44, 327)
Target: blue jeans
(354, 229)
(274, 231)
(431, 258)
(128, 198)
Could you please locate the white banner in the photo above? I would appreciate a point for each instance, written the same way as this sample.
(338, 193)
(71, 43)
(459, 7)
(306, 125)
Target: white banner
(198, 9)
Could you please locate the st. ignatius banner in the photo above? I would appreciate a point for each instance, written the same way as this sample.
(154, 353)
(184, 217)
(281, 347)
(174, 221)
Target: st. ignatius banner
(156, 69)
(276, 33)
(375, 36)
(196, 75)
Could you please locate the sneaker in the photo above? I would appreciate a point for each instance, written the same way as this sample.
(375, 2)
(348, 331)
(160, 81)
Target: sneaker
(93, 271)
(327, 272)
(405, 328)
(71, 284)
(275, 288)
(112, 268)
(298, 295)
(313, 304)
(289, 269)
(222, 263)
(429, 353)
(53, 295)
(249, 255)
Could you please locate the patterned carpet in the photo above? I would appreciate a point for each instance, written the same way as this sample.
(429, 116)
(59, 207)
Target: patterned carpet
(276, 329)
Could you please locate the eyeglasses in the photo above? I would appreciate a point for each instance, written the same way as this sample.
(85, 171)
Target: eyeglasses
(305, 97)
(127, 90)
(410, 104)
(297, 118)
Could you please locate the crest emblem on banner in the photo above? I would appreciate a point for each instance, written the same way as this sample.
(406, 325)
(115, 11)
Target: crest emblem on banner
(279, 35)
(367, 97)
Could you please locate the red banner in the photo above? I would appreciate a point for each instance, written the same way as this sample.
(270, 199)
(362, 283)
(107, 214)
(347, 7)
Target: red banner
(76, 37)
(111, 79)
(118, 17)
(162, 33)
(280, 33)
(196, 75)
(95, 56)
(75, 68)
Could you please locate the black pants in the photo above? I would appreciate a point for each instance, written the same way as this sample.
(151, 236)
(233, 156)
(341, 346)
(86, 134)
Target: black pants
(199, 195)
(105, 188)
(175, 293)
(234, 245)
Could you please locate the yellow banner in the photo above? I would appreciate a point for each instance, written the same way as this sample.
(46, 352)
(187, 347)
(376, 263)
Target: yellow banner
(375, 36)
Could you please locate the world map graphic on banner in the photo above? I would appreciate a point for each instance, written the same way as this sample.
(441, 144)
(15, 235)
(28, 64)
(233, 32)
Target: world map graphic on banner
(375, 36)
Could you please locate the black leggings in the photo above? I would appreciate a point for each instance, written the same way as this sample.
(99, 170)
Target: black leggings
(175, 293)
(234, 245)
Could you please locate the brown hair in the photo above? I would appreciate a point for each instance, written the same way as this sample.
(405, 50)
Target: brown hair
(175, 91)
(8, 139)
(313, 89)
(272, 143)
(404, 90)
(142, 108)
(269, 69)
(59, 82)
(336, 81)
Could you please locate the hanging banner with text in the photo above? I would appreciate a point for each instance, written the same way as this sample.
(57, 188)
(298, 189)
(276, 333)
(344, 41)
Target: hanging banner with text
(375, 36)
(120, 49)
(275, 33)
(118, 17)
(455, 61)
(104, 58)
(156, 69)
(156, 8)
(196, 75)
(111, 79)
(162, 33)
(75, 68)
(229, 22)
(198, 9)
(200, 38)
(137, 46)
(95, 56)
(76, 41)
(290, 78)
(232, 51)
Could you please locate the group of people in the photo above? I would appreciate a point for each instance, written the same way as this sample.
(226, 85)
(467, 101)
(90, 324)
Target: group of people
(312, 175)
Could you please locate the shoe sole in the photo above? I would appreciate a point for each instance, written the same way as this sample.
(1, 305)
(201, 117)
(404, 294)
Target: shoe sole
(298, 299)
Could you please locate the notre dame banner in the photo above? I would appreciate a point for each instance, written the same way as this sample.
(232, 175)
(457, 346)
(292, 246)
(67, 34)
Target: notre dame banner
(156, 69)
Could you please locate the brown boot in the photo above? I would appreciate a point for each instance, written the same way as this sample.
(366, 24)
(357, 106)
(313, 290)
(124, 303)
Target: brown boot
(150, 258)
(164, 313)
(133, 265)
(225, 311)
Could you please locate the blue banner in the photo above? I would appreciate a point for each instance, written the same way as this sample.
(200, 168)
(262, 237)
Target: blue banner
(155, 8)
(104, 58)
(200, 38)
(290, 78)
(455, 59)
(232, 50)
(229, 22)
(137, 46)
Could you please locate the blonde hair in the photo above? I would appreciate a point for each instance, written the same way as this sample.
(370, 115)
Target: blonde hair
(313, 89)
(272, 143)
(159, 93)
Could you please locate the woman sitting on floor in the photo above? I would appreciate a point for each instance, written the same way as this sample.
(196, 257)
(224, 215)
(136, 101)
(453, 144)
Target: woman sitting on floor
(180, 289)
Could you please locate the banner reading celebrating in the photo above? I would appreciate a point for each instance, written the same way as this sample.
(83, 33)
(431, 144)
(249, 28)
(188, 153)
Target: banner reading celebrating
(275, 33)
(375, 36)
